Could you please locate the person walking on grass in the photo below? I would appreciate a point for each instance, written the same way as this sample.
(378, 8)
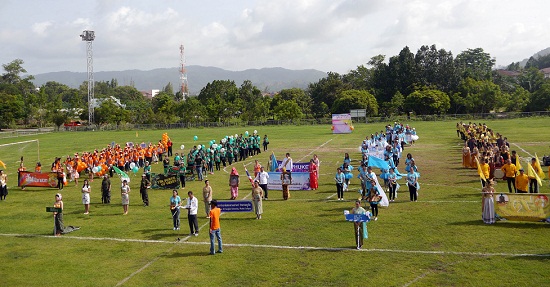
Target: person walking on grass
(215, 230)
(143, 186)
(207, 197)
(106, 189)
(257, 194)
(125, 194)
(192, 207)
(175, 204)
(86, 189)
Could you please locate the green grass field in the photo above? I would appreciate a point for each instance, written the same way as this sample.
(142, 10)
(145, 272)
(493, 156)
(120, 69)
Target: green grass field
(305, 241)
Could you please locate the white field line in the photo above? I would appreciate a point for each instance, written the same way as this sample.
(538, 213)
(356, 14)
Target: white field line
(421, 276)
(156, 258)
(523, 150)
(380, 250)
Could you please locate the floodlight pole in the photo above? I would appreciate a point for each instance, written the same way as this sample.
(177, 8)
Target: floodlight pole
(88, 37)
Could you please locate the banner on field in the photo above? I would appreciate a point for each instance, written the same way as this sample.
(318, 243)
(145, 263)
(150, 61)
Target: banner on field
(522, 206)
(161, 181)
(39, 179)
(300, 181)
(341, 124)
(235, 206)
(296, 166)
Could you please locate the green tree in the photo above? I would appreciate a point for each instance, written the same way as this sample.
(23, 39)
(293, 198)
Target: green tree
(355, 99)
(393, 107)
(402, 70)
(300, 97)
(477, 96)
(287, 110)
(11, 109)
(475, 64)
(427, 102)
(540, 99)
(221, 101)
(327, 89)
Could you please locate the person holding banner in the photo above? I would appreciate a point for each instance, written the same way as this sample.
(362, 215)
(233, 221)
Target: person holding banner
(359, 227)
(125, 195)
(488, 207)
(234, 183)
(86, 189)
(257, 194)
(58, 216)
(522, 182)
(175, 204)
(510, 171)
(313, 183)
(392, 184)
(286, 180)
(412, 182)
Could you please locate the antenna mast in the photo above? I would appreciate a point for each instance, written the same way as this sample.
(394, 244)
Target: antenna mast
(183, 75)
(88, 37)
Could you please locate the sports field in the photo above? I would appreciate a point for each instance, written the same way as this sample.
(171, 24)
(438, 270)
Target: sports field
(304, 241)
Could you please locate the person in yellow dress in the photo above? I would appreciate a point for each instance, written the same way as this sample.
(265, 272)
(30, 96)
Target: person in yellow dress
(485, 170)
(522, 181)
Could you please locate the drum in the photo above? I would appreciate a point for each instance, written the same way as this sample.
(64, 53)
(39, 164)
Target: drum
(499, 174)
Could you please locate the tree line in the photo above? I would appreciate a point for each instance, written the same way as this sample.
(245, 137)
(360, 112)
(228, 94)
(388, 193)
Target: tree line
(432, 81)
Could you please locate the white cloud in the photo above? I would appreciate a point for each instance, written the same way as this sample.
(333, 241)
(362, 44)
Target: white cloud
(41, 28)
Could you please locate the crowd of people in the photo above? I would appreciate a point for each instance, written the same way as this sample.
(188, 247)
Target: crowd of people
(491, 152)
(382, 150)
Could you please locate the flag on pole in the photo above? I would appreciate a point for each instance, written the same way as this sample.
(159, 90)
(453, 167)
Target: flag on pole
(532, 174)
(248, 175)
(479, 171)
(273, 166)
(122, 174)
(379, 163)
(538, 167)
(518, 165)
(3, 164)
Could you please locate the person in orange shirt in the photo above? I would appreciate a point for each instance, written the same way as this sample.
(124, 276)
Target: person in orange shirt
(510, 171)
(214, 215)
(522, 181)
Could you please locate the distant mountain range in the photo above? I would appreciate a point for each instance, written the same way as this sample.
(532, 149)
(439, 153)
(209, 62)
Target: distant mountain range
(537, 54)
(266, 79)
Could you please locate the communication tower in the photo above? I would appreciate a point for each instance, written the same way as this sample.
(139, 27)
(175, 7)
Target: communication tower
(183, 75)
(88, 37)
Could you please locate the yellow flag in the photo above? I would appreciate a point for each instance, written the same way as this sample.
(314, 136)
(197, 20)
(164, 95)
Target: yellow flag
(2, 164)
(531, 173)
(137, 134)
(518, 165)
(479, 171)
(538, 167)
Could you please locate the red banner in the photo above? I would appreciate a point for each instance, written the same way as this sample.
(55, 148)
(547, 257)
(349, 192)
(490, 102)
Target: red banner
(41, 179)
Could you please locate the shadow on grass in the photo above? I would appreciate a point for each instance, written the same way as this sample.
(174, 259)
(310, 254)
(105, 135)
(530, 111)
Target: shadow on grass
(541, 257)
(504, 224)
(189, 254)
(162, 233)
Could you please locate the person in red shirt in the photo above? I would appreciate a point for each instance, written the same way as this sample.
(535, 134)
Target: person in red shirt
(215, 226)
(169, 145)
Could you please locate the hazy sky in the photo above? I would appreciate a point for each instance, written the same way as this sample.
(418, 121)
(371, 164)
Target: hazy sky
(328, 35)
